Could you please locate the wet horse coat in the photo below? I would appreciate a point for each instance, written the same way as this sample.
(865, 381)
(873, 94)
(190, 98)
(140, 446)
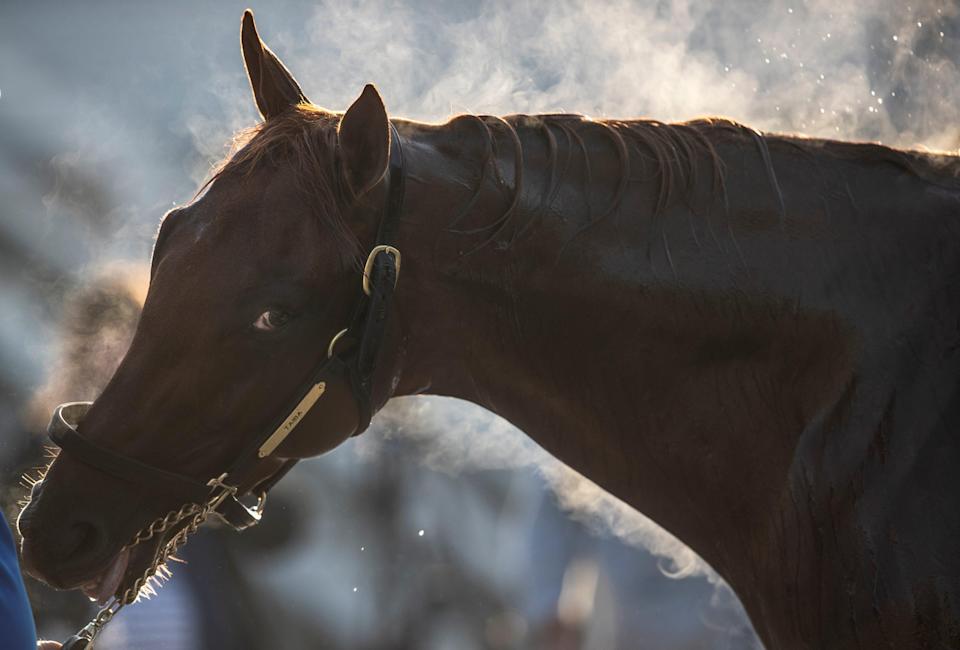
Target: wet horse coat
(751, 338)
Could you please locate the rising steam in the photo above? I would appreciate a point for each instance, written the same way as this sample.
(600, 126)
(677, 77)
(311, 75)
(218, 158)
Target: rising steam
(453, 436)
(97, 325)
(872, 70)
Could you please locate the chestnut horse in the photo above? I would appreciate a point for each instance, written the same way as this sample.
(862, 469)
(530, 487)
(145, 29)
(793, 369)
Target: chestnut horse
(751, 338)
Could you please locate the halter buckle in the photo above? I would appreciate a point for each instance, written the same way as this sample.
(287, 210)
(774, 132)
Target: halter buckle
(371, 258)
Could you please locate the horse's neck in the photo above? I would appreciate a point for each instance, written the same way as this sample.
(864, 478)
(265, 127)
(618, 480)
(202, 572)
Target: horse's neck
(675, 359)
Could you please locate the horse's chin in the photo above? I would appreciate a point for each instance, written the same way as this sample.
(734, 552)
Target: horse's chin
(120, 574)
(108, 582)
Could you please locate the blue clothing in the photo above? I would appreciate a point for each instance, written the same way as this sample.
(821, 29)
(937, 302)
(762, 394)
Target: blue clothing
(17, 630)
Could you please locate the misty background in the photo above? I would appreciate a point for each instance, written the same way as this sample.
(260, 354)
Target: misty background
(441, 527)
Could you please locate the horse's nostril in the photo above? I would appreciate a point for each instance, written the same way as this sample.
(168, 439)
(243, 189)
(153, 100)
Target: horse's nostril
(79, 539)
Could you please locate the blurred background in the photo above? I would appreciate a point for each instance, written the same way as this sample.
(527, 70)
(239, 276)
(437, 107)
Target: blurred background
(442, 527)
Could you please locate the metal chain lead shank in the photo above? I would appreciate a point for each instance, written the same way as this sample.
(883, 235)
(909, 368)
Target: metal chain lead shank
(196, 514)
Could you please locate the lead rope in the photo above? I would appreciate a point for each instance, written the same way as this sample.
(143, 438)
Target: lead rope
(195, 515)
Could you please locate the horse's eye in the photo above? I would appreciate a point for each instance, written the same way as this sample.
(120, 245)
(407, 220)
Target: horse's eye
(271, 319)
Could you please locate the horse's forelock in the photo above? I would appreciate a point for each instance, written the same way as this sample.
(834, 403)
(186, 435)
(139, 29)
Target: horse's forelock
(302, 139)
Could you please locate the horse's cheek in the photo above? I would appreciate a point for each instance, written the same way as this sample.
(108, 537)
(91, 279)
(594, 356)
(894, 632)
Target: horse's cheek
(331, 421)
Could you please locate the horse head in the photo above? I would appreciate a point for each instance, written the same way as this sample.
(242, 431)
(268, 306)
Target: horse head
(250, 286)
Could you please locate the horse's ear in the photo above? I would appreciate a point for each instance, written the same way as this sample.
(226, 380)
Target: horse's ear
(274, 88)
(364, 137)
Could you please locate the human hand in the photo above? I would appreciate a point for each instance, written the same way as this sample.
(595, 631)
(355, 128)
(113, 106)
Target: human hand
(48, 645)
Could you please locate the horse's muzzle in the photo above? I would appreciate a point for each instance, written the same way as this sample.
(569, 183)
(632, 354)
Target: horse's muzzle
(65, 553)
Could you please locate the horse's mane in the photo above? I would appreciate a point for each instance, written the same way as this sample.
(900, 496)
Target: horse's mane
(672, 152)
(674, 155)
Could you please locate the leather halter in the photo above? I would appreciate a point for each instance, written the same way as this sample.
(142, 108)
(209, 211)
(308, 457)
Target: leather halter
(357, 366)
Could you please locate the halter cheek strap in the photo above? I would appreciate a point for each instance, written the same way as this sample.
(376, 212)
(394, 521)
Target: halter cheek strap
(367, 325)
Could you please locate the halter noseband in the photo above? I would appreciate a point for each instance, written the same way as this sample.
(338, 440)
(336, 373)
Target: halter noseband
(357, 366)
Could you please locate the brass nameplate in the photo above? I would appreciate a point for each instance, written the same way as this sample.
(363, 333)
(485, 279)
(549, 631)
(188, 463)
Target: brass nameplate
(292, 420)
